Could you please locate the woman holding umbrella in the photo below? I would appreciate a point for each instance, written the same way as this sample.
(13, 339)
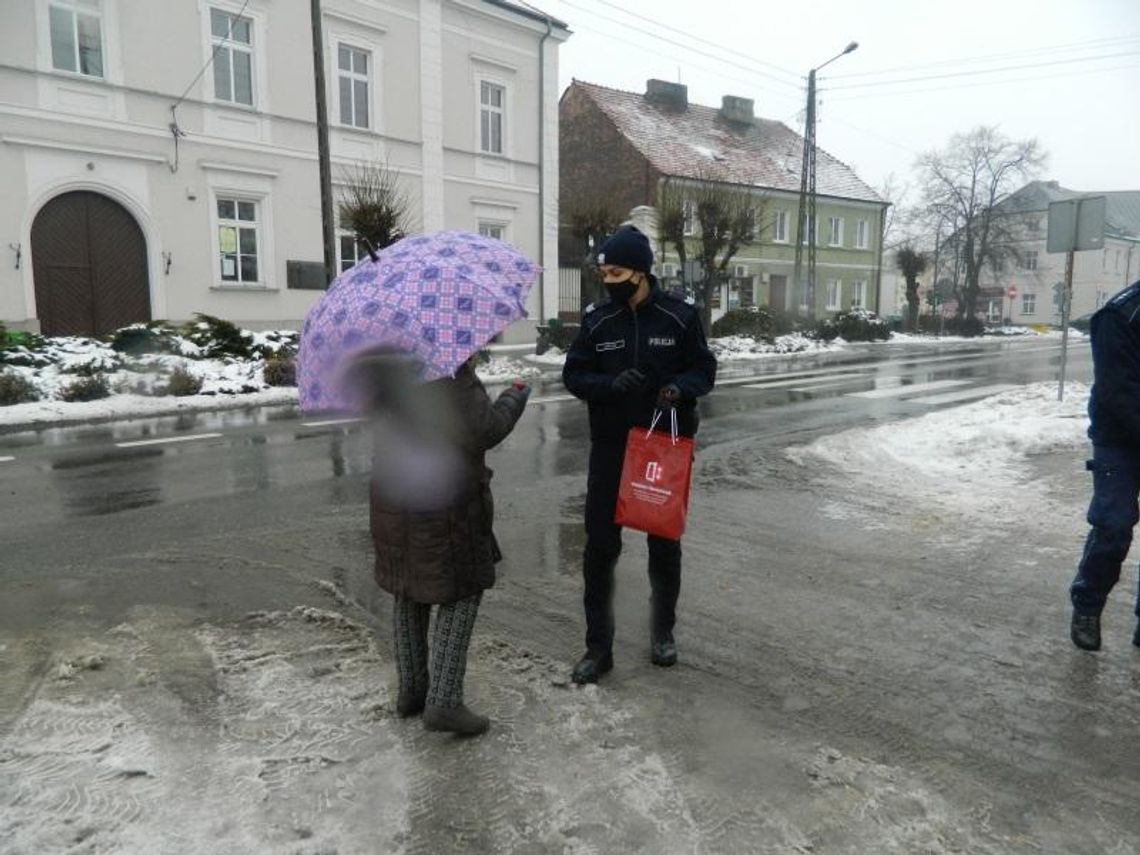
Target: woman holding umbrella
(395, 338)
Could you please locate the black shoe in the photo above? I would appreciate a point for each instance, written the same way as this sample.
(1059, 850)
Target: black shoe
(592, 666)
(409, 704)
(664, 651)
(1085, 631)
(458, 720)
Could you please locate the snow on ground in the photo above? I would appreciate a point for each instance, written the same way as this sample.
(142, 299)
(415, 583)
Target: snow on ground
(738, 347)
(971, 459)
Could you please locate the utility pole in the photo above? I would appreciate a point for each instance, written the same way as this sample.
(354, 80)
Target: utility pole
(807, 197)
(327, 223)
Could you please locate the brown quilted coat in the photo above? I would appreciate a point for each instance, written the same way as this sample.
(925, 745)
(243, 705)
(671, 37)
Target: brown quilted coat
(448, 553)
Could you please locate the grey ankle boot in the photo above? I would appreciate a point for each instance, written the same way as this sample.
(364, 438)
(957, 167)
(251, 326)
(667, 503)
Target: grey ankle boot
(458, 720)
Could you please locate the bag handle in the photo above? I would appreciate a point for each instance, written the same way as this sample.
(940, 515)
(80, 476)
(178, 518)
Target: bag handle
(657, 413)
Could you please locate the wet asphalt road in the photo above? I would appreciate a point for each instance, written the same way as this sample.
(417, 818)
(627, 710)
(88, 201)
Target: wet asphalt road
(886, 682)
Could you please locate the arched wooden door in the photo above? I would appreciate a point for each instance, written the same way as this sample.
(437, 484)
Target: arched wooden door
(89, 264)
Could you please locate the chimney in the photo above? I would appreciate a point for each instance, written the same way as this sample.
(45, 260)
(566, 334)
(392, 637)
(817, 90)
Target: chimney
(734, 109)
(673, 96)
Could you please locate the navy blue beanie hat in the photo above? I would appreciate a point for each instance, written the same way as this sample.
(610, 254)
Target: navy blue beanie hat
(627, 247)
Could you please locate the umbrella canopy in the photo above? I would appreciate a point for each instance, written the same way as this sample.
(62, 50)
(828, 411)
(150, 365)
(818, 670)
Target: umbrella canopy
(437, 298)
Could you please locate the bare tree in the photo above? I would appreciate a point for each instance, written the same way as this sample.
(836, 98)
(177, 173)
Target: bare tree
(373, 206)
(725, 217)
(964, 185)
(911, 263)
(588, 225)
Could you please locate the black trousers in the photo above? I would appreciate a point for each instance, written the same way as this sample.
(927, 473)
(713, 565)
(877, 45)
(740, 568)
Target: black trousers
(603, 547)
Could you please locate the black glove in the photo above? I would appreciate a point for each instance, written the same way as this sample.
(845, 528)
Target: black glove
(628, 380)
(668, 396)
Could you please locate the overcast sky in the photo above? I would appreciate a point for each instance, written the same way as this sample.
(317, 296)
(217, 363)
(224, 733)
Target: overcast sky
(1064, 71)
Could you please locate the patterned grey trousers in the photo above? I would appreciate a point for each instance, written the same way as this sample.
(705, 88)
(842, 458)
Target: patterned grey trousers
(453, 625)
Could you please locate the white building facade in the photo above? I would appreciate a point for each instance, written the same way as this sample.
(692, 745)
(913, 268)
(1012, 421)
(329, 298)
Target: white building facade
(159, 160)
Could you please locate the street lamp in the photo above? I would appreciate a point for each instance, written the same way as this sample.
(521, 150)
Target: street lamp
(806, 290)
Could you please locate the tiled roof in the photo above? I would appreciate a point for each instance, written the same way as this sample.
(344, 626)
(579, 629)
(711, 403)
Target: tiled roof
(1123, 206)
(697, 142)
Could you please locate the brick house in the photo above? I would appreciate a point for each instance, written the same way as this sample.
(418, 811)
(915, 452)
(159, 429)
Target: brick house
(623, 146)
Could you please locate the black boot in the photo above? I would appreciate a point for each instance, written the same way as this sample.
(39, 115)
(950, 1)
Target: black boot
(592, 666)
(664, 650)
(458, 720)
(1085, 631)
(410, 703)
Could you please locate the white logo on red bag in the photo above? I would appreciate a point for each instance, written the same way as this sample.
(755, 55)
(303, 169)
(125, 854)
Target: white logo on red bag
(654, 472)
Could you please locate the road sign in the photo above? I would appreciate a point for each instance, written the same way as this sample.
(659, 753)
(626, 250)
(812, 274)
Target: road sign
(1076, 224)
(1012, 292)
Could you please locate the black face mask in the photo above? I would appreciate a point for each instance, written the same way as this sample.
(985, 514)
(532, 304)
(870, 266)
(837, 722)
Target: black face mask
(622, 292)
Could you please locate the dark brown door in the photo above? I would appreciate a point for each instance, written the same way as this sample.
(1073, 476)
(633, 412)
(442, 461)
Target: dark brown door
(778, 292)
(89, 265)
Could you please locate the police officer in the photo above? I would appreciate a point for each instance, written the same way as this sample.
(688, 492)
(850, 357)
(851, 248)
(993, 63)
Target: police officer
(638, 351)
(1114, 428)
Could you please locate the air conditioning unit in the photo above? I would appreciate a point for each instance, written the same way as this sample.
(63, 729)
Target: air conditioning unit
(740, 271)
(670, 271)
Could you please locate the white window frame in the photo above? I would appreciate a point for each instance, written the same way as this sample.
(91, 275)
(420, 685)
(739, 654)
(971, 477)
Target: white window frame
(780, 227)
(804, 230)
(220, 44)
(354, 77)
(485, 227)
(859, 294)
(502, 111)
(862, 233)
(1029, 260)
(740, 271)
(257, 224)
(834, 295)
(359, 251)
(76, 8)
(834, 231)
(689, 218)
(1029, 303)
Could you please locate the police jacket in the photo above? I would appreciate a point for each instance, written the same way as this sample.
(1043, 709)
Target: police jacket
(663, 338)
(1114, 405)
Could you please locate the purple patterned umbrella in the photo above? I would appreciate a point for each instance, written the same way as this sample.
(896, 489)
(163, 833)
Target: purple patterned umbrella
(438, 298)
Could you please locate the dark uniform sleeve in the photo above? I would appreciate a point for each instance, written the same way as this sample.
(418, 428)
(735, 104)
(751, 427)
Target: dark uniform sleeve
(581, 374)
(1117, 369)
(700, 373)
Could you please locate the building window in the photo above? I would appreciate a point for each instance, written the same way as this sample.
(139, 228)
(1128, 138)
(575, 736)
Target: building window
(858, 294)
(834, 295)
(861, 235)
(349, 251)
(834, 231)
(232, 44)
(352, 77)
(237, 239)
(1028, 304)
(780, 227)
(689, 215)
(1116, 269)
(493, 230)
(1033, 225)
(1029, 260)
(492, 99)
(750, 228)
(76, 37)
(804, 230)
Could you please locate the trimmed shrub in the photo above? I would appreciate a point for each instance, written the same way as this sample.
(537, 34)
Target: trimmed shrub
(759, 322)
(86, 389)
(16, 389)
(861, 325)
(140, 339)
(954, 325)
(218, 338)
(281, 372)
(182, 384)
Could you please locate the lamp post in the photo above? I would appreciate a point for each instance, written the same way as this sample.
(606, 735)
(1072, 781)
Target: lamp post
(805, 290)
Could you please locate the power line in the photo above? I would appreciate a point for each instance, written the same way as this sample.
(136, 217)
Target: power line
(681, 45)
(629, 43)
(904, 92)
(995, 57)
(209, 62)
(975, 72)
(726, 49)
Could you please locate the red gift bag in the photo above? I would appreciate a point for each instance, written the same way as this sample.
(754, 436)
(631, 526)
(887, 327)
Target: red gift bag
(654, 492)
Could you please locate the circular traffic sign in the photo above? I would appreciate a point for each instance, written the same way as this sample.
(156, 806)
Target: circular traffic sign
(1012, 292)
